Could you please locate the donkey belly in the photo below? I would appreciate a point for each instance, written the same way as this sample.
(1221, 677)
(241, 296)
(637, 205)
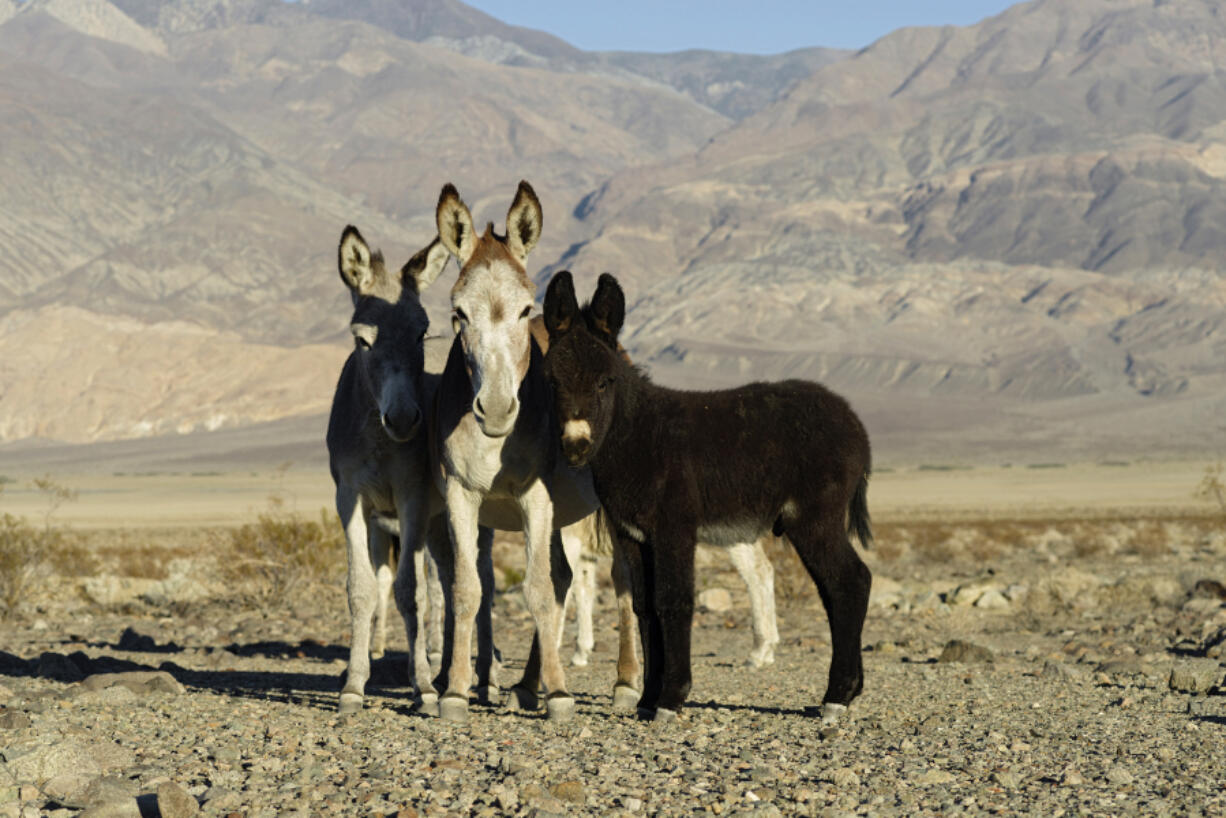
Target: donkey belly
(731, 532)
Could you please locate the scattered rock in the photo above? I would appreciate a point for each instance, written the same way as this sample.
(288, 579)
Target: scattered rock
(571, 791)
(174, 802)
(845, 778)
(41, 762)
(1210, 588)
(933, 777)
(957, 650)
(140, 682)
(109, 789)
(12, 720)
(992, 599)
(1195, 675)
(716, 600)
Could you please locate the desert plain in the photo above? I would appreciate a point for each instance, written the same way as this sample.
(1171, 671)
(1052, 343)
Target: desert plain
(1043, 638)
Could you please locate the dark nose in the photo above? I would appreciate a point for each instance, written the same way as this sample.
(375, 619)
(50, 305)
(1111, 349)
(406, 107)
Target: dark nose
(401, 426)
(576, 450)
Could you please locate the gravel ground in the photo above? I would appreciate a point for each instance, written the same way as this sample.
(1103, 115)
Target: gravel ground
(1031, 686)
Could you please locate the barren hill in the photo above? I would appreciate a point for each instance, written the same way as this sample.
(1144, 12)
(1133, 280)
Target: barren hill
(1023, 217)
(1005, 237)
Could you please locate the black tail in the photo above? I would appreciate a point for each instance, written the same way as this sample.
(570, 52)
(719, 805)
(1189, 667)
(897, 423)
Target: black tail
(857, 514)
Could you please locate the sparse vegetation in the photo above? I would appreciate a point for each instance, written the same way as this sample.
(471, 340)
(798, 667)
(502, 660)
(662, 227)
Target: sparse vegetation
(1211, 486)
(283, 553)
(29, 555)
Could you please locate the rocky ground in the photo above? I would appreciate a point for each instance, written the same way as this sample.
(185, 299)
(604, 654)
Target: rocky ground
(1049, 680)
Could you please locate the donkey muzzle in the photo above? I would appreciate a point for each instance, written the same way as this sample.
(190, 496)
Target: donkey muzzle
(402, 425)
(495, 424)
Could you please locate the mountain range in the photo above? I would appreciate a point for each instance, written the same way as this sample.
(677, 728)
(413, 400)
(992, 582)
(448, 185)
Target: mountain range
(1000, 241)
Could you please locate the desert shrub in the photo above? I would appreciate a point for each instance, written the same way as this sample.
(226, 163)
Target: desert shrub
(283, 553)
(1211, 486)
(1148, 538)
(29, 555)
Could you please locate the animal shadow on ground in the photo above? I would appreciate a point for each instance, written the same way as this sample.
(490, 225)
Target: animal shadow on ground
(389, 677)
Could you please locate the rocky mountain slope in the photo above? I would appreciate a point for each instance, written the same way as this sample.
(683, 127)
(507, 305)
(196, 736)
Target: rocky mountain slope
(1022, 214)
(1005, 235)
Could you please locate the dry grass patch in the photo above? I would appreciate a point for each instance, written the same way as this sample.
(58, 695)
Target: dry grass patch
(282, 554)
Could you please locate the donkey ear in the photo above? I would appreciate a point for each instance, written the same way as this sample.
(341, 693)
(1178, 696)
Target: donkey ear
(608, 309)
(353, 260)
(561, 306)
(524, 221)
(455, 224)
(425, 265)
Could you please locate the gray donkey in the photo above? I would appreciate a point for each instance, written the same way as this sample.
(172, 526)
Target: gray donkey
(379, 459)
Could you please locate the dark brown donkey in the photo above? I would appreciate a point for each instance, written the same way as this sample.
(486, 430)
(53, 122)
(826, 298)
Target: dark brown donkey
(672, 468)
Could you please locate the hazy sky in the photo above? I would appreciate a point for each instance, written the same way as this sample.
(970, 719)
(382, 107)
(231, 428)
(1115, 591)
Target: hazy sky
(752, 26)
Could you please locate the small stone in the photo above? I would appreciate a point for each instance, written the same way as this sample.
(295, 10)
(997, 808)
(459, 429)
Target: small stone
(1119, 776)
(108, 789)
(716, 600)
(12, 720)
(634, 804)
(992, 599)
(571, 791)
(1195, 675)
(934, 776)
(1071, 777)
(1007, 779)
(139, 682)
(174, 802)
(845, 778)
(957, 650)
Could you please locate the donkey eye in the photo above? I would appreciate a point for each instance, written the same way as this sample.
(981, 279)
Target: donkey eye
(603, 384)
(362, 342)
(459, 313)
(524, 314)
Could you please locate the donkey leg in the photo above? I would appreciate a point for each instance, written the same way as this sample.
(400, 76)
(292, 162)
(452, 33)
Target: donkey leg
(843, 582)
(629, 671)
(383, 549)
(443, 560)
(462, 508)
(362, 590)
(487, 652)
(582, 589)
(640, 569)
(673, 556)
(546, 581)
(758, 575)
(434, 632)
(411, 598)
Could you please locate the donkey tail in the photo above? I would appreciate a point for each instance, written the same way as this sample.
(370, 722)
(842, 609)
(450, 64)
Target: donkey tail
(857, 514)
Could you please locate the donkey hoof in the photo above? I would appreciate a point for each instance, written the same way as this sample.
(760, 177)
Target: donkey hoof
(521, 698)
(350, 703)
(560, 708)
(453, 709)
(665, 716)
(429, 704)
(645, 713)
(376, 653)
(831, 713)
(488, 694)
(625, 699)
(579, 660)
